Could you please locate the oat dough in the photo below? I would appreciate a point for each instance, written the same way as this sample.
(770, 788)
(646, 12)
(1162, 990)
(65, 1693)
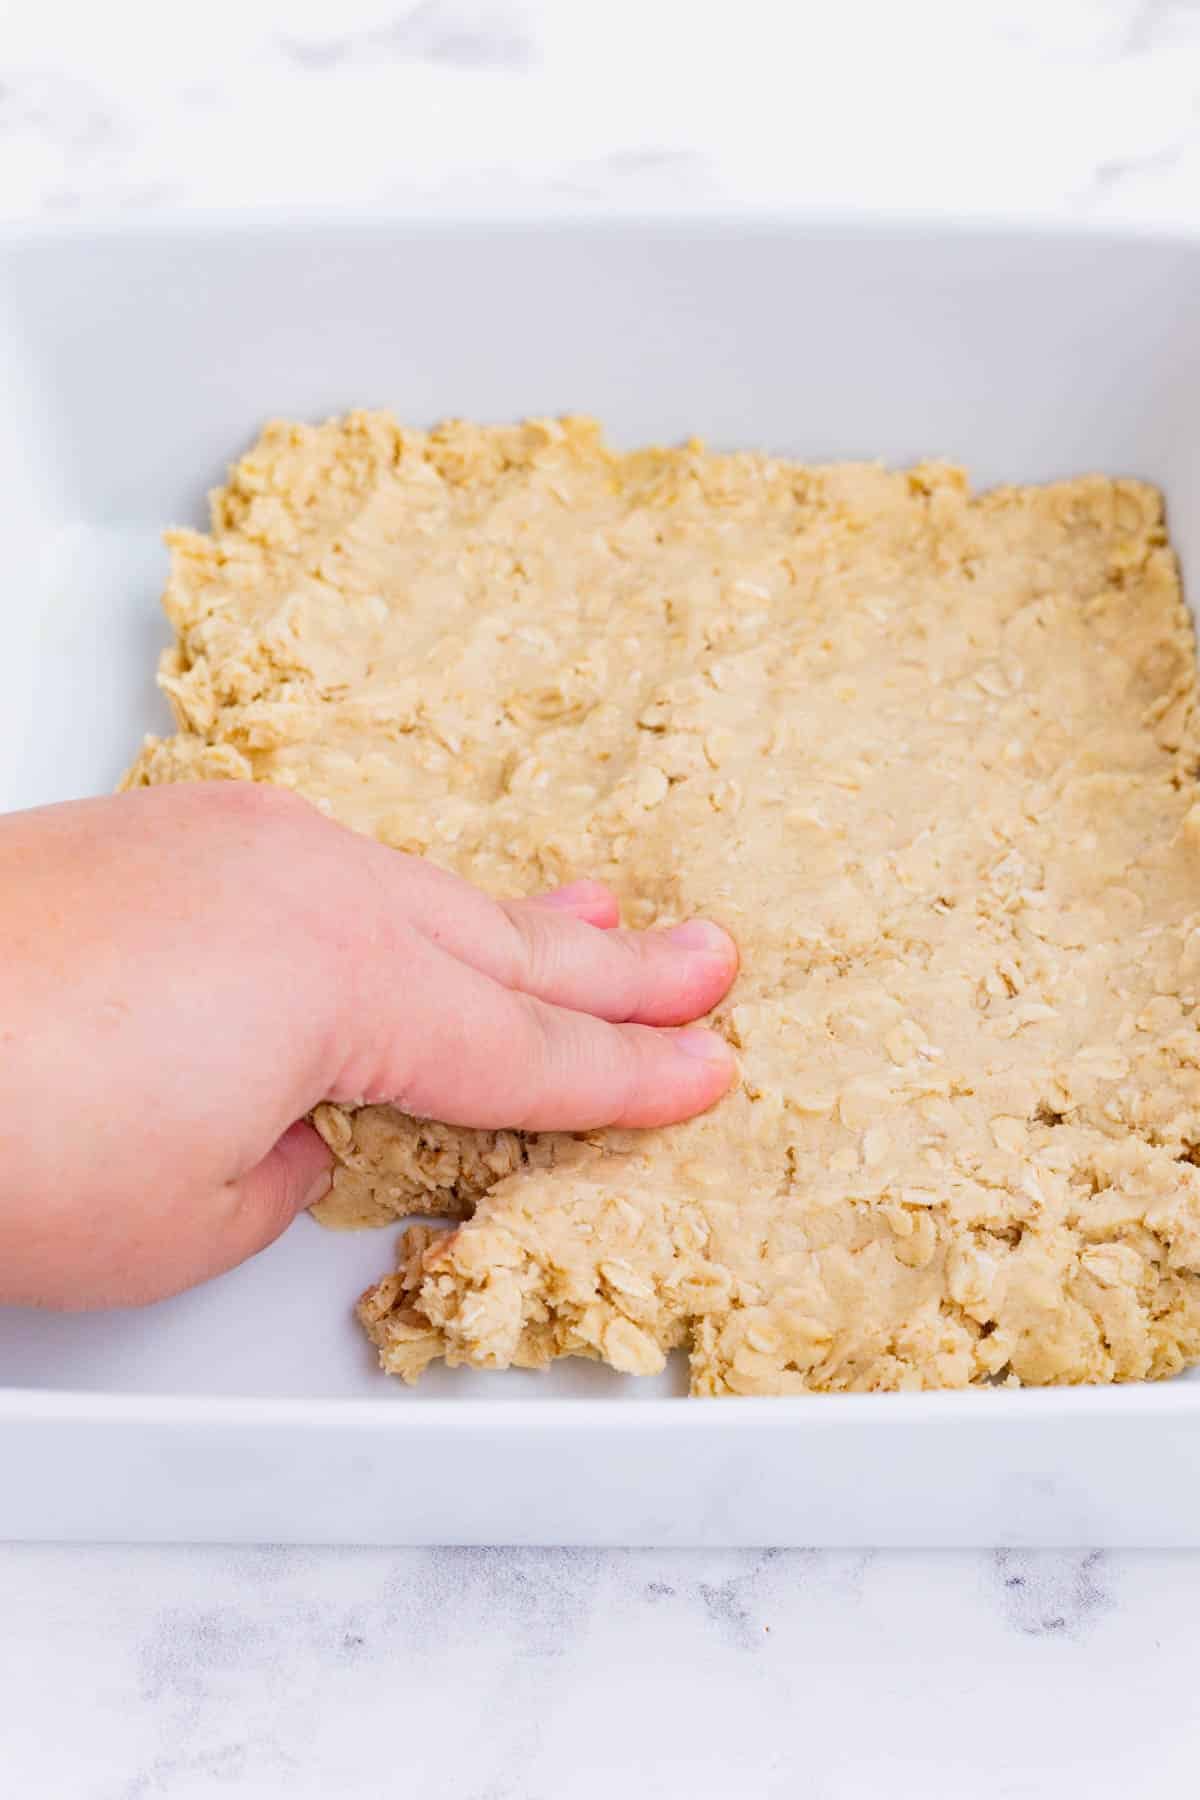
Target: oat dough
(930, 757)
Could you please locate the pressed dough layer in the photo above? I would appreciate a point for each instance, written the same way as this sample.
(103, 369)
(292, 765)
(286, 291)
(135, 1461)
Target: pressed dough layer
(931, 757)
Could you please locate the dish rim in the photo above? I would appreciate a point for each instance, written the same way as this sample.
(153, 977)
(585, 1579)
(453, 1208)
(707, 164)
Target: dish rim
(297, 221)
(1176, 1396)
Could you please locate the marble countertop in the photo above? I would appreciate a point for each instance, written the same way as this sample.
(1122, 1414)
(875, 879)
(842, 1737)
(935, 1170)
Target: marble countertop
(532, 1674)
(511, 1675)
(570, 105)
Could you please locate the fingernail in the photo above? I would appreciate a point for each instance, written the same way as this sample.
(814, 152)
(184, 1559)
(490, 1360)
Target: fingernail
(319, 1189)
(705, 1046)
(701, 934)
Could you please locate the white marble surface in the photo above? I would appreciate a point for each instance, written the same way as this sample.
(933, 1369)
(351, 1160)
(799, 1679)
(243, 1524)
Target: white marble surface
(494, 1675)
(476, 104)
(527, 1675)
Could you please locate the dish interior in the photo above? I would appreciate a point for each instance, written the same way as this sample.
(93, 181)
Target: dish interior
(138, 365)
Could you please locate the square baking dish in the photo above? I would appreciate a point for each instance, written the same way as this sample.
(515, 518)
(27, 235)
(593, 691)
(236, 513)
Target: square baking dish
(137, 362)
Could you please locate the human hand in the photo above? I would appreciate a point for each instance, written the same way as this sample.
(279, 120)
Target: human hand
(190, 969)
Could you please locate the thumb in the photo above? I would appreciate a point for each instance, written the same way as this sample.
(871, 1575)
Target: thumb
(260, 1205)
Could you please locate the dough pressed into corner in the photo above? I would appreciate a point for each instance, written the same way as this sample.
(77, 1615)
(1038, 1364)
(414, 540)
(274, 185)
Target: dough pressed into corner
(930, 756)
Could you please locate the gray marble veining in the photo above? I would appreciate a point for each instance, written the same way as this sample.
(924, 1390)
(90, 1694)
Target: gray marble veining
(517, 1675)
(521, 1675)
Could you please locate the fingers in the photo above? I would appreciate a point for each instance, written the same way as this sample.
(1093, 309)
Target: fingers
(468, 1051)
(549, 946)
(254, 1210)
(151, 1254)
(590, 901)
(646, 977)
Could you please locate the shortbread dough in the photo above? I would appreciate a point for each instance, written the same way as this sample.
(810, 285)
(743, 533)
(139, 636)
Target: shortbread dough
(930, 757)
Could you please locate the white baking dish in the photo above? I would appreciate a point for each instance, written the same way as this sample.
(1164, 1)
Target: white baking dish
(136, 361)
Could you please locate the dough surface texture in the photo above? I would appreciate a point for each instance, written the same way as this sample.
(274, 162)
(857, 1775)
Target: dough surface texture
(930, 757)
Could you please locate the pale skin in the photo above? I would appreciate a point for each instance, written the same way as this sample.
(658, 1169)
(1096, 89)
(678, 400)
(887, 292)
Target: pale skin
(189, 970)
